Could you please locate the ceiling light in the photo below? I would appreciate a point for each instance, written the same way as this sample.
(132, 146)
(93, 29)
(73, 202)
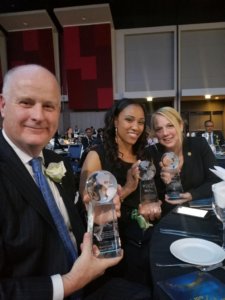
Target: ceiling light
(207, 96)
(149, 98)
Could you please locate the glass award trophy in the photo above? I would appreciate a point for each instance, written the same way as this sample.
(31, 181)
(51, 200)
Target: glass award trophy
(102, 220)
(147, 184)
(170, 161)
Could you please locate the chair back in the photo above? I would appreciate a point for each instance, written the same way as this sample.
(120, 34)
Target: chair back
(74, 151)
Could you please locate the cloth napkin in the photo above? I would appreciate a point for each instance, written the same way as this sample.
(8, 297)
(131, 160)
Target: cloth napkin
(219, 171)
(219, 188)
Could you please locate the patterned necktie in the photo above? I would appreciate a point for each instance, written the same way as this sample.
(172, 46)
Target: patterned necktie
(210, 138)
(42, 183)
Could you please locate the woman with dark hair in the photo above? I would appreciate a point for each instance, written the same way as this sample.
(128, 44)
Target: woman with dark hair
(69, 135)
(122, 150)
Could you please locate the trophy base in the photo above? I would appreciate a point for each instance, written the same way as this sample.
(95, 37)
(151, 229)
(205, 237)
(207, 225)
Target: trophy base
(174, 196)
(110, 254)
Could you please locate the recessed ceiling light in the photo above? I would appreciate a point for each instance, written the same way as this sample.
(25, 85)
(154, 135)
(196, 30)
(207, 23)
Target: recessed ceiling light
(207, 96)
(149, 98)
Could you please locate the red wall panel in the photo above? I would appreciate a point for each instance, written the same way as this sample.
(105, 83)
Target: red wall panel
(88, 67)
(33, 46)
(1, 75)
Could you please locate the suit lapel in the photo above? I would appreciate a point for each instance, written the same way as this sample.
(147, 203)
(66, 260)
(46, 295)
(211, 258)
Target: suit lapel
(67, 192)
(12, 167)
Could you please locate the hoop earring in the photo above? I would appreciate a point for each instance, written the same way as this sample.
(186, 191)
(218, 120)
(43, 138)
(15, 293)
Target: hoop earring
(116, 134)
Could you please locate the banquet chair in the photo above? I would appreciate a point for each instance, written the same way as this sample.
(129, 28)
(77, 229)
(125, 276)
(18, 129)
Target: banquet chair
(74, 154)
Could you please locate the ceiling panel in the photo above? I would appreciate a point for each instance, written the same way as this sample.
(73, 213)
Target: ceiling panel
(26, 20)
(84, 15)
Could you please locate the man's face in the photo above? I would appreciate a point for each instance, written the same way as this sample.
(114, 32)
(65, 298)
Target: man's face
(31, 109)
(209, 126)
(89, 133)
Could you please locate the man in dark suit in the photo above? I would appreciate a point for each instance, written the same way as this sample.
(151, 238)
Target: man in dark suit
(33, 260)
(88, 139)
(214, 137)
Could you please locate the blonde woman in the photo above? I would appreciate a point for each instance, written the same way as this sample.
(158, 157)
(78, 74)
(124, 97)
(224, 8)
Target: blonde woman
(195, 158)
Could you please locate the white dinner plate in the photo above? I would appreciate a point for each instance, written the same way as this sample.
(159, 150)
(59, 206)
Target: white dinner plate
(197, 251)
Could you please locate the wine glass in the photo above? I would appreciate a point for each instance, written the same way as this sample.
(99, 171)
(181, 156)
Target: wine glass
(218, 206)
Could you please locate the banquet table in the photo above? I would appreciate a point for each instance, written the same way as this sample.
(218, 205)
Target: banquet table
(160, 247)
(220, 159)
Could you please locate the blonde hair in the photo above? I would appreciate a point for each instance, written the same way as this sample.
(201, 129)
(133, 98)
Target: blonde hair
(174, 118)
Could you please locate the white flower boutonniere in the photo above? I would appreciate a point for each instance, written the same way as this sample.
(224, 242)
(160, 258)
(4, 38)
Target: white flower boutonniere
(56, 171)
(217, 140)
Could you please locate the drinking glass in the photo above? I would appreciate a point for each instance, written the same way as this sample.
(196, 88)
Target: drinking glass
(218, 206)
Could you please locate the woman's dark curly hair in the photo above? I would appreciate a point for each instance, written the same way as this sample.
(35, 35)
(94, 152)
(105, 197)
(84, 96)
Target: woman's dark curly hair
(110, 145)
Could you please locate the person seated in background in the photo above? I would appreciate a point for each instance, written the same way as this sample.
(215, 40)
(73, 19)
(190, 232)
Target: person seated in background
(99, 138)
(57, 144)
(213, 137)
(151, 139)
(88, 139)
(69, 135)
(122, 149)
(195, 159)
(94, 132)
(76, 130)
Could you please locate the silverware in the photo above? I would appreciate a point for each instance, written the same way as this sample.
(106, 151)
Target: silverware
(186, 265)
(212, 237)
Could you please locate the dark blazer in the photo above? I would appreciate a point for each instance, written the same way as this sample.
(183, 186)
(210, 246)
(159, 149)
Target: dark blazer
(196, 178)
(218, 138)
(30, 248)
(86, 142)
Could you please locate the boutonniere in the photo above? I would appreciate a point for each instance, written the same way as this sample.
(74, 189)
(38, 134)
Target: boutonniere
(56, 171)
(217, 140)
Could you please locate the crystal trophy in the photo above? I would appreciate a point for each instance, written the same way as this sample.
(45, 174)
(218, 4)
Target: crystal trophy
(148, 192)
(101, 186)
(170, 161)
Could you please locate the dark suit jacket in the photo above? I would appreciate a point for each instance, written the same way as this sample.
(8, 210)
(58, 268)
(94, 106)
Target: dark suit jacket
(30, 247)
(196, 178)
(218, 138)
(86, 142)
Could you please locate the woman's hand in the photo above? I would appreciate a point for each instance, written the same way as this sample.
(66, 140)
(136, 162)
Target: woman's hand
(150, 210)
(132, 181)
(184, 197)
